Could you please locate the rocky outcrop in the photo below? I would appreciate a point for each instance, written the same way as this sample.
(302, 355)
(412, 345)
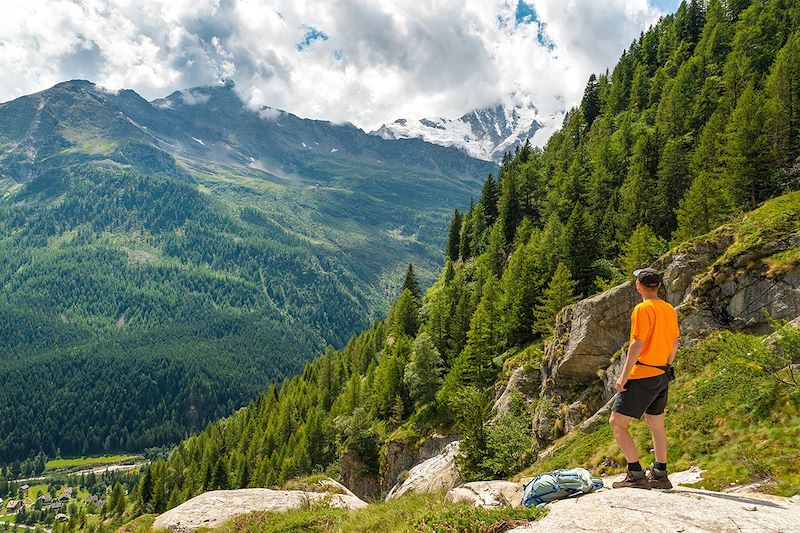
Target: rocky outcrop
(525, 381)
(686, 510)
(401, 455)
(711, 284)
(591, 331)
(360, 477)
(489, 494)
(437, 473)
(211, 509)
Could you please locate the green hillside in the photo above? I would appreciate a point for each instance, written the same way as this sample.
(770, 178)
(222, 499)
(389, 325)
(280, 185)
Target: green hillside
(150, 284)
(695, 126)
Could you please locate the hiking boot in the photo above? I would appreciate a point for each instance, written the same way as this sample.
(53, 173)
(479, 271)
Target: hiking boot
(658, 478)
(634, 480)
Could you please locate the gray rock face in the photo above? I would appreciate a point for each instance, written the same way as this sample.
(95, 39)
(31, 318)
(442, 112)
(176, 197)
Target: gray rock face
(401, 455)
(524, 381)
(435, 474)
(211, 509)
(490, 494)
(685, 510)
(358, 476)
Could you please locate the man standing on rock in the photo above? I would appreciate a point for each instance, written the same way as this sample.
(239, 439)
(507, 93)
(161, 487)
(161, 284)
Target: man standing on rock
(644, 381)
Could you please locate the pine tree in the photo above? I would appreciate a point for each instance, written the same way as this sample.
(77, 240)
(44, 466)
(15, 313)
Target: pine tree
(590, 104)
(484, 339)
(581, 248)
(412, 284)
(423, 373)
(454, 236)
(560, 292)
(642, 249)
(489, 199)
(465, 236)
(783, 104)
(638, 190)
(706, 206)
(510, 211)
(672, 182)
(746, 156)
(404, 314)
(496, 249)
(519, 286)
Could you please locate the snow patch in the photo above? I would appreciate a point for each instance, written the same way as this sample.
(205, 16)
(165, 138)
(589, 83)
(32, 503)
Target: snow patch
(199, 141)
(484, 133)
(333, 150)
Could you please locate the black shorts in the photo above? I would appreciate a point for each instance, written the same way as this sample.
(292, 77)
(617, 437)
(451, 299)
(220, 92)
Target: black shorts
(644, 395)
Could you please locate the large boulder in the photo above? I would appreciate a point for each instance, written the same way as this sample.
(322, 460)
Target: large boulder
(211, 509)
(687, 510)
(433, 475)
(525, 381)
(490, 494)
(400, 455)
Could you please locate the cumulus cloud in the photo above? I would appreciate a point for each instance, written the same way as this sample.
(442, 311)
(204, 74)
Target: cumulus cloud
(360, 61)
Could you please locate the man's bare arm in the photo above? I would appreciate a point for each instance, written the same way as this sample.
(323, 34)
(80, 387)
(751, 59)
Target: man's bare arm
(674, 351)
(633, 355)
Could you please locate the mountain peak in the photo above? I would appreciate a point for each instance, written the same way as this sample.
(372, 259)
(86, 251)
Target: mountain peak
(484, 133)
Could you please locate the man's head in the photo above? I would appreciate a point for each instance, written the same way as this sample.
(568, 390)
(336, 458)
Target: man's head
(648, 281)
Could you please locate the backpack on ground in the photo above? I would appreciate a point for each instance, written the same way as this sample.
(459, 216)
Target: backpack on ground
(558, 485)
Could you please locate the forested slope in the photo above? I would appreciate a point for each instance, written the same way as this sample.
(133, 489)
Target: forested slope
(152, 281)
(697, 124)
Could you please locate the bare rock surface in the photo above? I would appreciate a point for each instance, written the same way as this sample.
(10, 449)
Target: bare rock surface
(437, 473)
(490, 494)
(527, 382)
(401, 455)
(679, 510)
(211, 509)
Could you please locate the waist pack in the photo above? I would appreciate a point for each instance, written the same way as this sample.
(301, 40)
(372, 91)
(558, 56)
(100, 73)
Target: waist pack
(668, 369)
(558, 485)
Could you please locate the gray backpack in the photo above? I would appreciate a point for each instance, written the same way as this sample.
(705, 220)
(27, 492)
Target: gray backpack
(558, 485)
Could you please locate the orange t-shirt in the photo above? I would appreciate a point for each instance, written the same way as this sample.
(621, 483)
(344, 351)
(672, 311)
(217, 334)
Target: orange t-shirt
(655, 323)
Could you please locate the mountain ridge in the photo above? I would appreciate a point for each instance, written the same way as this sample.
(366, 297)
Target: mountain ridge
(485, 133)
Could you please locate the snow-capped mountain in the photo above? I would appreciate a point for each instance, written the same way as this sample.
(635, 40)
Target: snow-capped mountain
(484, 133)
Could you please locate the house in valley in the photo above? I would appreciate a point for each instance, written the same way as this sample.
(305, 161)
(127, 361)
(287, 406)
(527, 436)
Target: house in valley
(14, 506)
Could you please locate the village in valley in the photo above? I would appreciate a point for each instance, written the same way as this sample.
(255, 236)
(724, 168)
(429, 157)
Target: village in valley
(61, 496)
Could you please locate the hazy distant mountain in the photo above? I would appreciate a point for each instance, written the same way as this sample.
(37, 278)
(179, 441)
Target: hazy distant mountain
(484, 133)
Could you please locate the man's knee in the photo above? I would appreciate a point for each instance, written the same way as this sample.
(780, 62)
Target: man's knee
(655, 420)
(619, 422)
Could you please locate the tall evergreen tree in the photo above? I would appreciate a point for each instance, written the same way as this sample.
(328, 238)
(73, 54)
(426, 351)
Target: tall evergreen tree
(423, 373)
(490, 196)
(411, 283)
(590, 104)
(581, 248)
(746, 156)
(783, 104)
(706, 205)
(560, 292)
(454, 236)
(641, 250)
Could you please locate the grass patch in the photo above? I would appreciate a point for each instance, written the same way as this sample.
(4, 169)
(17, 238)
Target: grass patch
(774, 220)
(411, 513)
(727, 414)
(78, 462)
(141, 524)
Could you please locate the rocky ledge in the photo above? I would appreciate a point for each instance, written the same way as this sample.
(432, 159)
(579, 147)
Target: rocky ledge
(211, 509)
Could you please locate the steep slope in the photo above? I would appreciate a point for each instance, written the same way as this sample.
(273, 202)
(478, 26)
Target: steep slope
(185, 253)
(483, 133)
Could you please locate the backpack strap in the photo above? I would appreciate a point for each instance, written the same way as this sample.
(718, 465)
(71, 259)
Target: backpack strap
(665, 368)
